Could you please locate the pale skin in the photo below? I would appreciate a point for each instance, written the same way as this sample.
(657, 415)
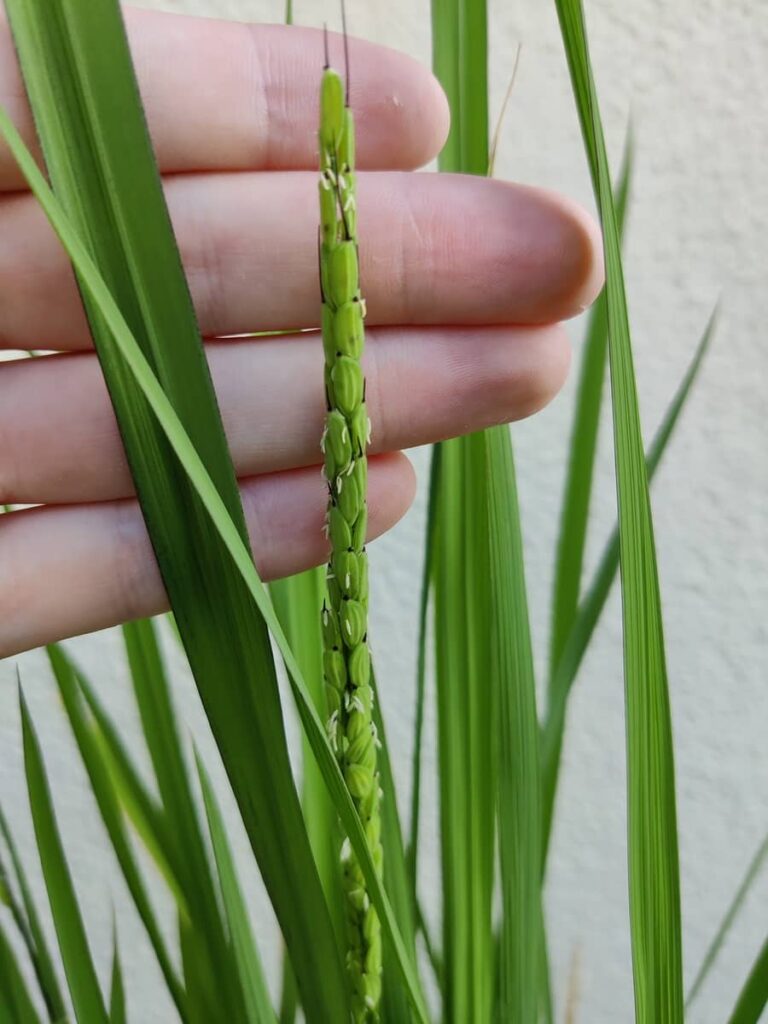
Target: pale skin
(467, 282)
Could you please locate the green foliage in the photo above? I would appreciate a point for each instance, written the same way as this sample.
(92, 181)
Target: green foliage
(117, 1008)
(78, 74)
(87, 998)
(498, 770)
(246, 957)
(577, 492)
(654, 884)
(108, 800)
(28, 924)
(487, 723)
(591, 605)
(750, 876)
(16, 1006)
(228, 533)
(753, 997)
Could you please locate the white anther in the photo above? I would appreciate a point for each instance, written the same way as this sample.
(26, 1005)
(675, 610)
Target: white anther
(346, 849)
(347, 581)
(338, 484)
(348, 627)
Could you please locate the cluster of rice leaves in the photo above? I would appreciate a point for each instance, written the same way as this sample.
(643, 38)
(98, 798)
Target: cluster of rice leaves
(105, 182)
(487, 722)
(79, 78)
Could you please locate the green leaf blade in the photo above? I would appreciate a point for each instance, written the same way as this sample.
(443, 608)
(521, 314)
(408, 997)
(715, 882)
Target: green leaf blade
(258, 1007)
(16, 1006)
(394, 999)
(30, 927)
(577, 494)
(654, 883)
(78, 73)
(753, 870)
(521, 952)
(592, 604)
(109, 807)
(117, 1009)
(83, 984)
(226, 529)
(753, 997)
(208, 950)
(466, 741)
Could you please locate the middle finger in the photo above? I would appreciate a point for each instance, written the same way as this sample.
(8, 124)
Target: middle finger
(60, 441)
(435, 249)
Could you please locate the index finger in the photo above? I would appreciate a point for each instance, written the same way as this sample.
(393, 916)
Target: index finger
(224, 95)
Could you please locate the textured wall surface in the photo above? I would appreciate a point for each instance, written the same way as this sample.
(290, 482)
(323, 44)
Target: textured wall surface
(693, 75)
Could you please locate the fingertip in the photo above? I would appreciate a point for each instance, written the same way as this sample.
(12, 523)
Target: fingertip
(549, 369)
(391, 490)
(582, 269)
(436, 103)
(402, 111)
(519, 371)
(559, 244)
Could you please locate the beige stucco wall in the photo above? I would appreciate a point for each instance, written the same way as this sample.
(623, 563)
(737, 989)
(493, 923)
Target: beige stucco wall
(694, 75)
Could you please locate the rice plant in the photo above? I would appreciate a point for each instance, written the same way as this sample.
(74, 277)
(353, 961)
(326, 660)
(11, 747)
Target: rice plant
(337, 863)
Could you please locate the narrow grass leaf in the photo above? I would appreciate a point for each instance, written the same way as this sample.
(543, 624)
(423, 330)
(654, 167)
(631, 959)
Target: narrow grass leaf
(466, 716)
(297, 601)
(207, 950)
(109, 807)
(77, 70)
(430, 946)
(289, 997)
(593, 602)
(30, 927)
(654, 883)
(136, 364)
(574, 513)
(117, 1010)
(753, 997)
(519, 815)
(394, 999)
(753, 870)
(487, 723)
(421, 671)
(87, 999)
(466, 723)
(16, 1005)
(139, 805)
(258, 1007)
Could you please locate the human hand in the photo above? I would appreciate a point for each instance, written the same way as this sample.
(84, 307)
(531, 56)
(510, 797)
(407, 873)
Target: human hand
(465, 280)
